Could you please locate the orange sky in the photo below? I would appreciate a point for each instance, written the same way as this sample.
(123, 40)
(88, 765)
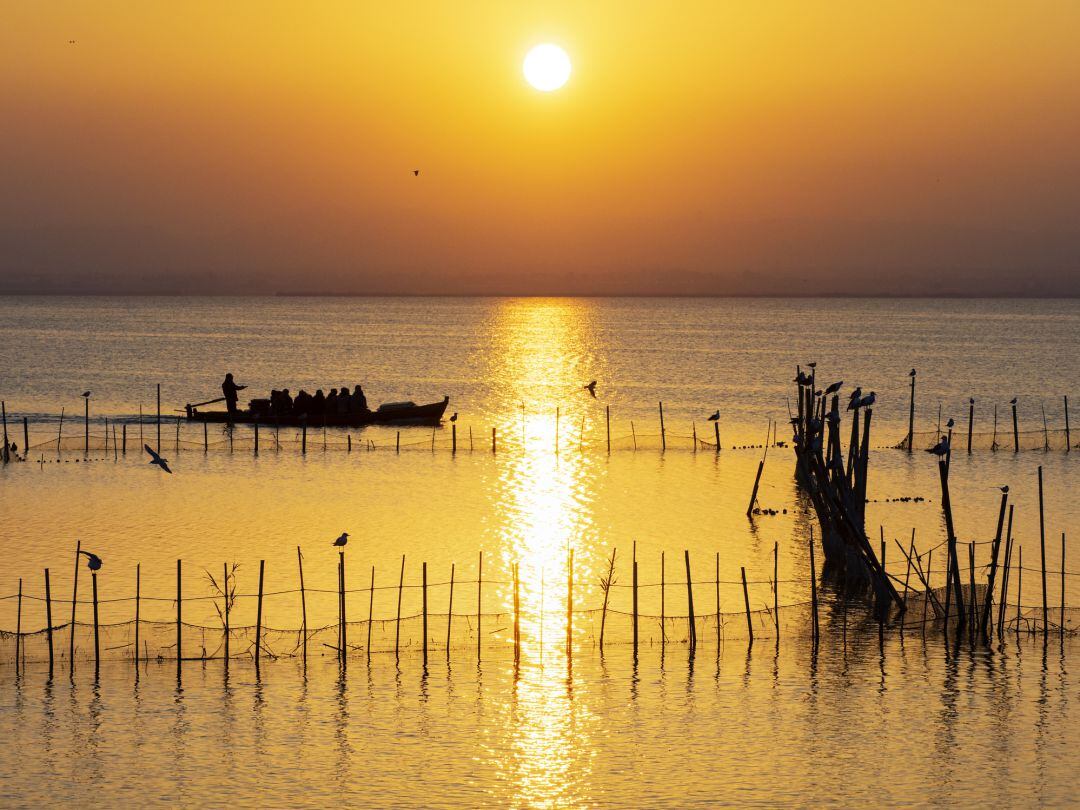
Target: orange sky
(712, 148)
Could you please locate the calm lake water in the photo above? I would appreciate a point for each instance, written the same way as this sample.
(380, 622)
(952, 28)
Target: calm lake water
(897, 725)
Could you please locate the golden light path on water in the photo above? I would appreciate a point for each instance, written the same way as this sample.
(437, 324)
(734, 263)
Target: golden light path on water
(542, 505)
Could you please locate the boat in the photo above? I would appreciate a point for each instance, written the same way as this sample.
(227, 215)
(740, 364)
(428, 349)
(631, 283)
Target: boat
(389, 413)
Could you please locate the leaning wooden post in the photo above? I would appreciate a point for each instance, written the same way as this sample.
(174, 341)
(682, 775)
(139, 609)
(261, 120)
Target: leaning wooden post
(5, 452)
(303, 602)
(971, 420)
(911, 416)
(813, 588)
(397, 618)
(1068, 441)
(985, 618)
(258, 617)
(48, 621)
(74, 601)
(18, 623)
(138, 594)
(1005, 576)
(158, 448)
(423, 591)
(607, 425)
(1042, 547)
(479, 601)
(753, 494)
(954, 563)
(370, 611)
(690, 601)
(179, 618)
(634, 583)
(1016, 429)
(450, 611)
(663, 433)
(97, 646)
(746, 604)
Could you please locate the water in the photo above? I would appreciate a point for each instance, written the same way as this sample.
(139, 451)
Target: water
(563, 733)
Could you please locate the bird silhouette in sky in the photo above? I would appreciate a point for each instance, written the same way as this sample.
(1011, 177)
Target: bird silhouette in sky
(93, 561)
(832, 389)
(341, 541)
(454, 417)
(941, 448)
(715, 417)
(591, 388)
(158, 460)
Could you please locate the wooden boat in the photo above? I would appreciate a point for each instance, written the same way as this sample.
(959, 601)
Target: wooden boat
(389, 413)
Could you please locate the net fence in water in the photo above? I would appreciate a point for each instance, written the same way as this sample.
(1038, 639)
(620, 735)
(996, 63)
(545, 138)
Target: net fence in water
(1000, 441)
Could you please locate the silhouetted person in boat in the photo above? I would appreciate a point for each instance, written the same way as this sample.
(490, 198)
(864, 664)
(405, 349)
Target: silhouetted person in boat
(318, 403)
(330, 406)
(230, 389)
(285, 402)
(358, 402)
(344, 401)
(302, 404)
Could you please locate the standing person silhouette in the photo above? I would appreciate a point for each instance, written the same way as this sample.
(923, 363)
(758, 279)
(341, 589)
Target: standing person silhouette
(230, 389)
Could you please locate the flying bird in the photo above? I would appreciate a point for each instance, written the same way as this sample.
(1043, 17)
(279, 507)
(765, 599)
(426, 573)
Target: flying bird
(454, 417)
(158, 460)
(832, 389)
(341, 541)
(93, 561)
(591, 388)
(715, 417)
(941, 448)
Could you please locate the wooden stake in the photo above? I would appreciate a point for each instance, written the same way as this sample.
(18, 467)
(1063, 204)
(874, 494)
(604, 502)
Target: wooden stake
(258, 617)
(776, 582)
(690, 601)
(225, 613)
(1005, 576)
(633, 433)
(911, 416)
(753, 494)
(517, 614)
(570, 601)
(607, 426)
(370, 611)
(985, 618)
(1019, 585)
(663, 433)
(97, 646)
(256, 438)
(953, 564)
(397, 444)
(716, 431)
(303, 602)
(18, 629)
(1016, 431)
(205, 437)
(1042, 548)
(158, 448)
(634, 570)
(450, 611)
(86, 426)
(138, 594)
(479, 602)
(397, 619)
(74, 601)
(971, 420)
(1068, 440)
(303, 437)
(974, 602)
(344, 615)
(423, 591)
(26, 438)
(746, 603)
(453, 438)
(1061, 623)
(48, 621)
(718, 600)
(179, 617)
(663, 596)
(493, 440)
(123, 439)
(813, 587)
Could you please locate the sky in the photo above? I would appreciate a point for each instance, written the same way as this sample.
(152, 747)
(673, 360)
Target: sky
(717, 148)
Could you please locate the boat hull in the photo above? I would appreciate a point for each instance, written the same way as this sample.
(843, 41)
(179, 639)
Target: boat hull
(429, 415)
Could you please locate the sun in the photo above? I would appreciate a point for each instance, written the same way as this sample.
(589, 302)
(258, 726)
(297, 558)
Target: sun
(546, 67)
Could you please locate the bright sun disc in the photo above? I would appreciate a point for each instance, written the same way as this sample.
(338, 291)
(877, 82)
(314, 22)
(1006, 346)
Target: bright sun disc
(547, 67)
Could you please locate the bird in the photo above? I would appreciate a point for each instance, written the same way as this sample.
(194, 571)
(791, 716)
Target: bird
(416, 172)
(950, 423)
(1004, 489)
(591, 388)
(832, 389)
(93, 561)
(158, 460)
(1012, 401)
(911, 373)
(715, 417)
(812, 365)
(801, 379)
(86, 394)
(971, 400)
(341, 541)
(941, 448)
(454, 417)
(71, 42)
(868, 400)
(853, 399)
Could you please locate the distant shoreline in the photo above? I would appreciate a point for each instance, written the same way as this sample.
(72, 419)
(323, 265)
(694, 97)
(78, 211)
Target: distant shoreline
(313, 294)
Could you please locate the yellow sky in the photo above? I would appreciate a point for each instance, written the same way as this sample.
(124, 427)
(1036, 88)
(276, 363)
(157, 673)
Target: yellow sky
(698, 147)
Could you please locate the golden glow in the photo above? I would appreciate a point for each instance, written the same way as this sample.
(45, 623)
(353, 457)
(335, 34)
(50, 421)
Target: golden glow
(547, 67)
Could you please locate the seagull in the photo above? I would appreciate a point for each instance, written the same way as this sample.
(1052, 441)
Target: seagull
(801, 379)
(1012, 401)
(591, 388)
(93, 561)
(911, 373)
(416, 172)
(971, 400)
(941, 448)
(86, 394)
(853, 402)
(158, 460)
(832, 389)
(1004, 489)
(812, 365)
(341, 541)
(715, 417)
(454, 417)
(868, 400)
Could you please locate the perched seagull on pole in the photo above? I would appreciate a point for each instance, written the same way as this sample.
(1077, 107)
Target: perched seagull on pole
(950, 423)
(715, 417)
(1004, 489)
(158, 460)
(832, 389)
(591, 388)
(868, 400)
(941, 449)
(341, 541)
(853, 399)
(1012, 401)
(801, 379)
(86, 394)
(454, 417)
(911, 373)
(93, 561)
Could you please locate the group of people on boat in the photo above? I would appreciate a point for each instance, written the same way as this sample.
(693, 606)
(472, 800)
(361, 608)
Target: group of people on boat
(339, 402)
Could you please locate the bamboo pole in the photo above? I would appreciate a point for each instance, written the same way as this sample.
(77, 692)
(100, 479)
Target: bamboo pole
(985, 619)
(776, 583)
(179, 618)
(258, 617)
(26, 438)
(753, 494)
(48, 621)
(607, 426)
(716, 432)
(974, 602)
(634, 570)
(344, 615)
(718, 601)
(493, 441)
(303, 602)
(1016, 429)
(138, 594)
(397, 618)
(74, 602)
(60, 431)
(1005, 576)
(690, 601)
(911, 416)
(746, 603)
(479, 602)
(225, 612)
(86, 426)
(370, 611)
(18, 629)
(971, 421)
(1019, 584)
(97, 644)
(1068, 440)
(1042, 548)
(813, 588)
(423, 590)
(663, 433)
(158, 448)
(1061, 623)
(953, 564)
(453, 438)
(450, 611)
